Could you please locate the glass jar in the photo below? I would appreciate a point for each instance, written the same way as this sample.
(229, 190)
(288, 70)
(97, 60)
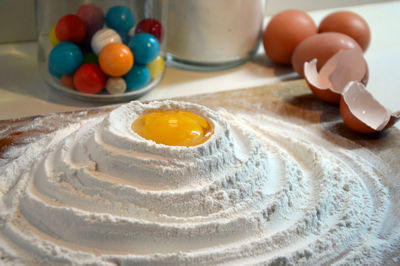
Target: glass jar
(213, 34)
(102, 50)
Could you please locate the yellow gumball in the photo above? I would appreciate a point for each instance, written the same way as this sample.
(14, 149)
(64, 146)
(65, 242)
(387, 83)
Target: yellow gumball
(53, 38)
(156, 67)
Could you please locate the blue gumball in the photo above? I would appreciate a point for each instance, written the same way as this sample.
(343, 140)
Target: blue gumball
(137, 77)
(125, 37)
(53, 72)
(145, 47)
(65, 58)
(120, 18)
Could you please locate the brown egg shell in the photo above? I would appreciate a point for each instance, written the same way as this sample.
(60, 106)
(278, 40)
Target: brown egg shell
(325, 94)
(357, 125)
(352, 121)
(322, 47)
(362, 113)
(319, 86)
(393, 119)
(348, 23)
(336, 73)
(284, 32)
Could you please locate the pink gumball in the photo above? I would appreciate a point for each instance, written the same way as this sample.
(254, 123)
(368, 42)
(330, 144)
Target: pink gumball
(93, 16)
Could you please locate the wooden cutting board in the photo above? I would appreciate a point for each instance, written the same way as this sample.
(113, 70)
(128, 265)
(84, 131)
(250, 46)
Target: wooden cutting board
(291, 101)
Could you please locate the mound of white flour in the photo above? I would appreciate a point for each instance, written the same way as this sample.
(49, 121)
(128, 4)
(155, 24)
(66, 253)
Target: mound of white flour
(259, 191)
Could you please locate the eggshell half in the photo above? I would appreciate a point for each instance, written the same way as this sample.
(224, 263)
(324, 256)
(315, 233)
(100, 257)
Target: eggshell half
(340, 69)
(322, 47)
(362, 113)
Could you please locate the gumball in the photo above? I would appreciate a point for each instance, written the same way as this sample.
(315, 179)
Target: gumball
(89, 79)
(156, 67)
(116, 85)
(116, 59)
(52, 36)
(104, 37)
(125, 37)
(152, 26)
(131, 32)
(71, 28)
(53, 72)
(65, 58)
(90, 58)
(67, 81)
(145, 47)
(93, 16)
(137, 77)
(120, 18)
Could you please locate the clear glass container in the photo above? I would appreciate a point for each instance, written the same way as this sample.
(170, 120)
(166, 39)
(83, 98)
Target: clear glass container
(102, 50)
(213, 34)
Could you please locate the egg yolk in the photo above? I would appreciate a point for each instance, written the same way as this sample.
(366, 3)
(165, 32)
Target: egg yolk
(173, 127)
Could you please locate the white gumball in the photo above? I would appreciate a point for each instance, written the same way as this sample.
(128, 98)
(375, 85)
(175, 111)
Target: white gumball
(115, 85)
(104, 37)
(132, 31)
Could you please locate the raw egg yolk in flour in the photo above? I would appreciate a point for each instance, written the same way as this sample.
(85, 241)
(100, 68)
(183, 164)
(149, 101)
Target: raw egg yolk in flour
(173, 127)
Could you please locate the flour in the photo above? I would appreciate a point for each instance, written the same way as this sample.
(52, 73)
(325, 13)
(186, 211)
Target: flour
(259, 191)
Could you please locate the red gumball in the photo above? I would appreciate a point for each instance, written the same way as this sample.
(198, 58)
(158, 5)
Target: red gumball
(67, 81)
(71, 28)
(152, 26)
(89, 79)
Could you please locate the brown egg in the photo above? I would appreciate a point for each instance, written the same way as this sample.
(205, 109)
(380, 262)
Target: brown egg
(322, 47)
(342, 68)
(348, 23)
(284, 32)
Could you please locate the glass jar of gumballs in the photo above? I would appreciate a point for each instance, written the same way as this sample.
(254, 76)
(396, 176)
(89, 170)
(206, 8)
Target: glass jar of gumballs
(103, 50)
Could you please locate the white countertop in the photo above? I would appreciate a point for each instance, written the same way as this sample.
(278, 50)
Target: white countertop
(24, 93)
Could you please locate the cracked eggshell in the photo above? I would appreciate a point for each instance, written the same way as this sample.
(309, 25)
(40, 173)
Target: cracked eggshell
(362, 113)
(322, 47)
(340, 69)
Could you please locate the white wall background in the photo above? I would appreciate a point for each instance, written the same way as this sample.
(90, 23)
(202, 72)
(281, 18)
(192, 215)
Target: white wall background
(274, 6)
(17, 19)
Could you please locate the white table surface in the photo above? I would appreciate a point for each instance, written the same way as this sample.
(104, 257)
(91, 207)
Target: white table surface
(24, 93)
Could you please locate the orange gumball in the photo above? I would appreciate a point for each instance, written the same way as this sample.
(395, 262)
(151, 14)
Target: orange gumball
(116, 59)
